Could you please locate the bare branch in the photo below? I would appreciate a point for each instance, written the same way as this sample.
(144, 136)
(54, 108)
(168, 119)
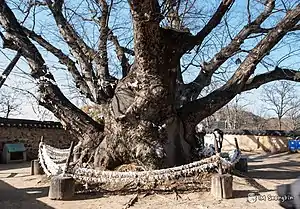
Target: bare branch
(249, 12)
(277, 74)
(248, 66)
(63, 59)
(172, 14)
(79, 48)
(266, 30)
(212, 23)
(236, 83)
(193, 89)
(9, 68)
(51, 96)
(120, 54)
(103, 60)
(238, 40)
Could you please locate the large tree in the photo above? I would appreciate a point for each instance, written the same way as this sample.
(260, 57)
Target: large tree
(150, 112)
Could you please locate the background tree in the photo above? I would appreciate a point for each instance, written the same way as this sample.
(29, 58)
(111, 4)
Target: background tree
(10, 104)
(149, 105)
(235, 113)
(294, 115)
(260, 121)
(281, 99)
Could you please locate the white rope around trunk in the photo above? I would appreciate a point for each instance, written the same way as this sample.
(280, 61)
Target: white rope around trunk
(51, 158)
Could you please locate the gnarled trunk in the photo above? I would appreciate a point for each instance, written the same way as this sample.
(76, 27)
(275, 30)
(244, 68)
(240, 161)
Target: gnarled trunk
(141, 124)
(144, 143)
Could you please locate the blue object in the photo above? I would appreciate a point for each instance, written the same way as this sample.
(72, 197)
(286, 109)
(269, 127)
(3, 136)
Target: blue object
(298, 144)
(293, 145)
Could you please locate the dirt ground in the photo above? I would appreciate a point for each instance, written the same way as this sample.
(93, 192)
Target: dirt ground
(20, 190)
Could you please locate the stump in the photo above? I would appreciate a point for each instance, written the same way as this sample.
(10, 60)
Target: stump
(61, 188)
(36, 168)
(242, 164)
(221, 186)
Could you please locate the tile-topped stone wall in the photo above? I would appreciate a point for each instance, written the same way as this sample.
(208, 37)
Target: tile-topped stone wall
(30, 133)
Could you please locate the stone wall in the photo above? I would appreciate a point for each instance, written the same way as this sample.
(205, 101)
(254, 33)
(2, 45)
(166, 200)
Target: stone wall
(30, 132)
(261, 141)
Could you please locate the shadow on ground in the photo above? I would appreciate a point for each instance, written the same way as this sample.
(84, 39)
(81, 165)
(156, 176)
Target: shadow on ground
(13, 198)
(245, 193)
(286, 168)
(279, 175)
(88, 196)
(262, 157)
(11, 166)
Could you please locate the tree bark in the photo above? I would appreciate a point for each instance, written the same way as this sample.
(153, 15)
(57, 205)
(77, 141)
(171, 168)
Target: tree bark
(279, 123)
(144, 143)
(143, 117)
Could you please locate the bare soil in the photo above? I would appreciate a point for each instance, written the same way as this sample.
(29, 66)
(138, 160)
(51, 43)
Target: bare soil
(20, 190)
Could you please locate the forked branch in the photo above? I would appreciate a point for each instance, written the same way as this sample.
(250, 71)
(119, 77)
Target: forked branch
(63, 59)
(51, 96)
(197, 110)
(206, 30)
(80, 50)
(193, 89)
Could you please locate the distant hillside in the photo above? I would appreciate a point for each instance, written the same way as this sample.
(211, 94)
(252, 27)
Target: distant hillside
(232, 118)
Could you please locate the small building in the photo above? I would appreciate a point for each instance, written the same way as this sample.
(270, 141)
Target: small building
(13, 153)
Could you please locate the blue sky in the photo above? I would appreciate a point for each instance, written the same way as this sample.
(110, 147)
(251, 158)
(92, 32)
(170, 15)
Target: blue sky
(118, 21)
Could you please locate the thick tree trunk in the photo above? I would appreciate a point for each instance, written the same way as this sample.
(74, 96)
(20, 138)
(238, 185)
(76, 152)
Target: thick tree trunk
(142, 126)
(143, 143)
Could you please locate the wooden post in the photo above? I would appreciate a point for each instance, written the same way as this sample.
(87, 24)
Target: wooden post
(236, 144)
(61, 188)
(219, 167)
(221, 144)
(69, 158)
(218, 154)
(242, 164)
(221, 186)
(36, 168)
